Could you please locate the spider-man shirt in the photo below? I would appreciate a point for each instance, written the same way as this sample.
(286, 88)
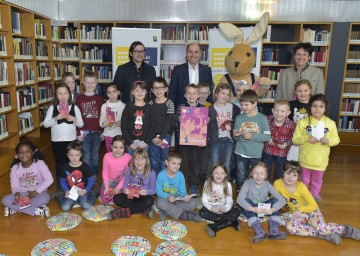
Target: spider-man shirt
(75, 176)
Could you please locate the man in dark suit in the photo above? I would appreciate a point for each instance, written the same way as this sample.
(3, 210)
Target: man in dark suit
(187, 73)
(135, 69)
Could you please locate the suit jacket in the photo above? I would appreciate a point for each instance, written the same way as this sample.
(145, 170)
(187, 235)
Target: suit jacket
(180, 79)
(126, 74)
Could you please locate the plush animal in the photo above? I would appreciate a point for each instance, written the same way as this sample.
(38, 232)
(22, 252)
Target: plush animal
(240, 60)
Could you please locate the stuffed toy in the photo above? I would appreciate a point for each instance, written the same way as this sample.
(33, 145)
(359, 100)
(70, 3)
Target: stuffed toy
(240, 60)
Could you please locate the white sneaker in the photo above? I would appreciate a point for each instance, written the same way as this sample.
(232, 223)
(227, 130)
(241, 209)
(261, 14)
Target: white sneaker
(77, 206)
(12, 211)
(6, 211)
(47, 211)
(40, 212)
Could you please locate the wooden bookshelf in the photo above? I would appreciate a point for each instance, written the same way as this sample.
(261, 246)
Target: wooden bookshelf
(349, 112)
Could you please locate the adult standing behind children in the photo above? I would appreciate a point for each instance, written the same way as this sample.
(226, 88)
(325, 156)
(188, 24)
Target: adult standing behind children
(301, 70)
(134, 70)
(191, 72)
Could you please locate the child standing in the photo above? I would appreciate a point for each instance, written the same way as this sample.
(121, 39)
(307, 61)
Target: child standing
(240, 87)
(204, 92)
(251, 131)
(222, 120)
(63, 117)
(170, 187)
(140, 176)
(190, 164)
(299, 110)
(90, 104)
(306, 218)
(69, 79)
(162, 110)
(30, 177)
(218, 202)
(111, 113)
(136, 124)
(315, 135)
(115, 164)
(255, 191)
(282, 129)
(76, 176)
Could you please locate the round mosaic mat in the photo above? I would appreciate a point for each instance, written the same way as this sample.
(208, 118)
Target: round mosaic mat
(54, 246)
(169, 230)
(174, 248)
(130, 245)
(63, 221)
(97, 213)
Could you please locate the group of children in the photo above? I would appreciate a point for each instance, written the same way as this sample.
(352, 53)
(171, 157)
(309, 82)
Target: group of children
(139, 164)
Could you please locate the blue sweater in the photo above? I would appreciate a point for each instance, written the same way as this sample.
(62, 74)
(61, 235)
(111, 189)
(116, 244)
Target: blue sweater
(166, 186)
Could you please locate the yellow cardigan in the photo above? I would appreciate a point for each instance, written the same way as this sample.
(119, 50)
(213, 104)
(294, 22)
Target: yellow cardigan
(315, 156)
(301, 199)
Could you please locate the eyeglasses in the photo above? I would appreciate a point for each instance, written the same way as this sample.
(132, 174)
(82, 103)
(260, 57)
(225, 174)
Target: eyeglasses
(139, 52)
(158, 89)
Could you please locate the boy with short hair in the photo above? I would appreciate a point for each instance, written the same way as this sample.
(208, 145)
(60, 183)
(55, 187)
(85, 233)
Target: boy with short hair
(190, 165)
(282, 129)
(76, 174)
(170, 185)
(90, 134)
(251, 131)
(204, 92)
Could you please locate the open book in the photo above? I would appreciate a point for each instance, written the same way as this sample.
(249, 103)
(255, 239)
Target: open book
(186, 197)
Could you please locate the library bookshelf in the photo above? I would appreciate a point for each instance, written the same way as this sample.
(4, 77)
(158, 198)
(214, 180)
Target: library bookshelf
(349, 112)
(26, 84)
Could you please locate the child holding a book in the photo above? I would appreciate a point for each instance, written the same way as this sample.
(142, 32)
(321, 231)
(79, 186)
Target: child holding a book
(173, 200)
(115, 164)
(162, 110)
(136, 123)
(63, 117)
(30, 177)
(76, 180)
(218, 202)
(111, 112)
(138, 188)
(254, 203)
(69, 79)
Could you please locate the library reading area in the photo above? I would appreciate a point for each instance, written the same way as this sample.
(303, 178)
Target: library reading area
(59, 199)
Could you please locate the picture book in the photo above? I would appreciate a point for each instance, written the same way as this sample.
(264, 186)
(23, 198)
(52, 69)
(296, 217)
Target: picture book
(193, 126)
(110, 115)
(134, 191)
(263, 206)
(23, 202)
(64, 109)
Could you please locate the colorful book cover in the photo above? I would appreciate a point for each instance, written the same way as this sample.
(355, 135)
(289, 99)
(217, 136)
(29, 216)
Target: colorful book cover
(193, 126)
(23, 202)
(63, 109)
(110, 115)
(134, 191)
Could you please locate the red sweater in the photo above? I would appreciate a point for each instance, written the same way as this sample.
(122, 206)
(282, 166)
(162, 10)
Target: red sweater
(90, 108)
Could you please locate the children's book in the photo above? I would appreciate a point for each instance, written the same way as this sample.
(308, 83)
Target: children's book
(23, 202)
(111, 193)
(193, 126)
(186, 197)
(110, 115)
(73, 193)
(64, 109)
(134, 191)
(263, 206)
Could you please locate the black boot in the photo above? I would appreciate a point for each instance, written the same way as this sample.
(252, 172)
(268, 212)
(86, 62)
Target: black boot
(274, 233)
(215, 227)
(236, 225)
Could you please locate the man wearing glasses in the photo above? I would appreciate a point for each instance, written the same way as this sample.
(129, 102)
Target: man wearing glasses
(134, 70)
(191, 72)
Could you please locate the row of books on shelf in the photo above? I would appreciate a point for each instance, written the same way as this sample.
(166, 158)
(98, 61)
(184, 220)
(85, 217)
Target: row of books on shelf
(316, 36)
(70, 68)
(319, 56)
(102, 72)
(41, 50)
(69, 34)
(350, 106)
(22, 48)
(43, 70)
(57, 71)
(5, 101)
(349, 124)
(354, 56)
(166, 72)
(26, 123)
(46, 92)
(24, 73)
(351, 89)
(3, 127)
(273, 75)
(3, 51)
(26, 98)
(40, 29)
(3, 73)
(270, 56)
(94, 54)
(42, 114)
(199, 34)
(352, 74)
(66, 53)
(16, 23)
(97, 32)
(355, 36)
(173, 34)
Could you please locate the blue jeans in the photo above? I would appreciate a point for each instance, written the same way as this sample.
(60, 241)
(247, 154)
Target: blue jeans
(86, 201)
(158, 155)
(91, 147)
(243, 166)
(250, 214)
(279, 164)
(222, 151)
